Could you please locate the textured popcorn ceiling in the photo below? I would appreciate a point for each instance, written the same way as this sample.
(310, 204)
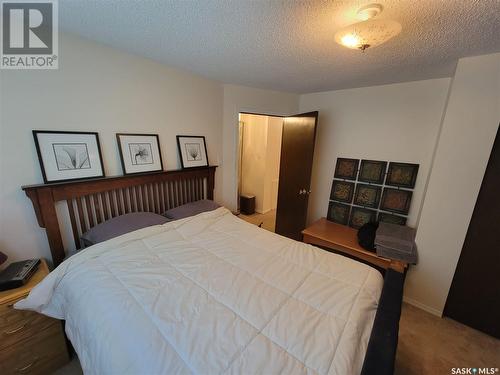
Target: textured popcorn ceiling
(289, 45)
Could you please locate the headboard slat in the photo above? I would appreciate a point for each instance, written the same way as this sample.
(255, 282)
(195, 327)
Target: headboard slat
(95, 204)
(135, 199)
(168, 195)
(72, 219)
(161, 195)
(81, 216)
(90, 214)
(152, 199)
(90, 202)
(107, 213)
(124, 194)
(191, 192)
(157, 198)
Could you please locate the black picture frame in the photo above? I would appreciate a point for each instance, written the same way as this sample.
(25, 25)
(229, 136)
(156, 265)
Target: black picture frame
(360, 198)
(43, 164)
(372, 214)
(334, 193)
(387, 217)
(184, 162)
(366, 171)
(389, 195)
(344, 213)
(352, 165)
(394, 177)
(122, 156)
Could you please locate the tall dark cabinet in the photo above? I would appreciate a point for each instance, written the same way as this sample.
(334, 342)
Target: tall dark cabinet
(474, 297)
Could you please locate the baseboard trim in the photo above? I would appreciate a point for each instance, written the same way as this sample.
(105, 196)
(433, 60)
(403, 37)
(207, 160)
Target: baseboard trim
(421, 306)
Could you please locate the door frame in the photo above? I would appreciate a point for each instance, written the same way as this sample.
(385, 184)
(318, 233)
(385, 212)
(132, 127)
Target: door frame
(237, 151)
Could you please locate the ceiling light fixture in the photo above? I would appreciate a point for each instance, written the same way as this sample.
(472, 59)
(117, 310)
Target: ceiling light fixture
(369, 32)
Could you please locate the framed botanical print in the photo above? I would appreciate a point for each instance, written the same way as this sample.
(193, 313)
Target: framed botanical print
(386, 217)
(65, 155)
(372, 171)
(346, 168)
(342, 191)
(361, 216)
(396, 200)
(402, 175)
(139, 153)
(367, 195)
(338, 213)
(192, 151)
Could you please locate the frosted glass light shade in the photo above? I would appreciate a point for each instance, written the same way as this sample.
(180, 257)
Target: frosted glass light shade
(366, 34)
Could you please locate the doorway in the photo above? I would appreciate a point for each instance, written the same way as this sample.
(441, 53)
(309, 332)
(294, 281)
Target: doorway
(275, 157)
(259, 166)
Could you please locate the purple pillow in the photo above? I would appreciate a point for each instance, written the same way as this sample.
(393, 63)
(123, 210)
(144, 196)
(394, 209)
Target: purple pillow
(191, 209)
(120, 225)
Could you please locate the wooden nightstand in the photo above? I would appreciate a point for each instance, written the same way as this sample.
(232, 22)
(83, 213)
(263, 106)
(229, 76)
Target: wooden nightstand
(344, 239)
(30, 343)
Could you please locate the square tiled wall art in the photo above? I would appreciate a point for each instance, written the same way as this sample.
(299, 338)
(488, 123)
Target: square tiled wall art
(338, 212)
(361, 216)
(346, 168)
(367, 195)
(368, 190)
(342, 191)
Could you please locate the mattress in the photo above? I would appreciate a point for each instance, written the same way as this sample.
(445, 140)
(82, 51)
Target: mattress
(212, 294)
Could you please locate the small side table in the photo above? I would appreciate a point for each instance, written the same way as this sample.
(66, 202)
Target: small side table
(344, 239)
(30, 343)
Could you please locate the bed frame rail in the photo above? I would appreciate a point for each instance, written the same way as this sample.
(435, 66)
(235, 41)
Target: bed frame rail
(90, 202)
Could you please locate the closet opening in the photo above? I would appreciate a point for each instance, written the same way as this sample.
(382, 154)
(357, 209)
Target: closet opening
(259, 154)
(275, 157)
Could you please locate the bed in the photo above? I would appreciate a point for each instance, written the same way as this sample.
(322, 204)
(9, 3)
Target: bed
(210, 293)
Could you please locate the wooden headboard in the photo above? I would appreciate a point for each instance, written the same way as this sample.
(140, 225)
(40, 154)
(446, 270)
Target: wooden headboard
(90, 202)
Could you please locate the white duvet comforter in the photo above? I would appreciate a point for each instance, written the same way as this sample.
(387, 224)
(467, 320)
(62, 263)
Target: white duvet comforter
(212, 294)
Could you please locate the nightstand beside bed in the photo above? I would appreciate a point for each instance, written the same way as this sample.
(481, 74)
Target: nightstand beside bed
(344, 240)
(30, 343)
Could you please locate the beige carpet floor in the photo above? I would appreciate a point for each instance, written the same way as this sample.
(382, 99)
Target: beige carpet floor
(427, 345)
(268, 219)
(432, 345)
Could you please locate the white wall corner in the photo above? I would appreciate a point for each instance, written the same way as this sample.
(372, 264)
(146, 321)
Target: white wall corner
(464, 146)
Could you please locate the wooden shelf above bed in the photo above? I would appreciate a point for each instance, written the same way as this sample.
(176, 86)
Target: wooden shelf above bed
(344, 239)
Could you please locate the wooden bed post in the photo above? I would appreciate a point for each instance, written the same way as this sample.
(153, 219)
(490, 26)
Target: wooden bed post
(211, 183)
(45, 210)
(49, 215)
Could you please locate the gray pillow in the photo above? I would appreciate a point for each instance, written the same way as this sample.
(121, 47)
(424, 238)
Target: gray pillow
(191, 209)
(120, 225)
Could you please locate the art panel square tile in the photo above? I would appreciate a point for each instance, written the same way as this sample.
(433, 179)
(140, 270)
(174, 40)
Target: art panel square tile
(342, 191)
(372, 171)
(346, 168)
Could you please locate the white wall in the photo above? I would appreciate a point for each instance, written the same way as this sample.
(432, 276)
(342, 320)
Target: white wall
(398, 122)
(244, 99)
(97, 89)
(462, 153)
